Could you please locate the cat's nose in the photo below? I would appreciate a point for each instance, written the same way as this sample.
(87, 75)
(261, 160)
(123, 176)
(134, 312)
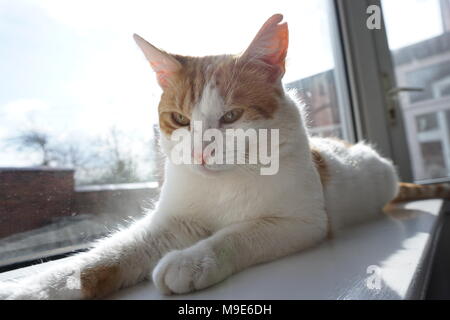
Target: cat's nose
(201, 154)
(204, 157)
(199, 157)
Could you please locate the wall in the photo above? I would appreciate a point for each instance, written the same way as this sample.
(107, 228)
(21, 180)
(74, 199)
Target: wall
(32, 197)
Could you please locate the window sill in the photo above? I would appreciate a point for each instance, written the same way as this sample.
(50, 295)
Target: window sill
(337, 269)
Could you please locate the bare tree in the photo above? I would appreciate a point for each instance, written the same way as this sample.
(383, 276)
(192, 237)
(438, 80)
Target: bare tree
(99, 161)
(37, 140)
(121, 164)
(72, 154)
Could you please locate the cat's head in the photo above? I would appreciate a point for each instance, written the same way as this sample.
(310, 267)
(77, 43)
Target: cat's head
(220, 92)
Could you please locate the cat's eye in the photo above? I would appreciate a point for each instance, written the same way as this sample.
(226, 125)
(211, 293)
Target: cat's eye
(179, 119)
(232, 116)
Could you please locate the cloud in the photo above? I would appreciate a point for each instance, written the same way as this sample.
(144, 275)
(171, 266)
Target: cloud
(411, 21)
(22, 110)
(25, 105)
(197, 28)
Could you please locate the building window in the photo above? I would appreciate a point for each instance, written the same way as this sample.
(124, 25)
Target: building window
(427, 122)
(421, 56)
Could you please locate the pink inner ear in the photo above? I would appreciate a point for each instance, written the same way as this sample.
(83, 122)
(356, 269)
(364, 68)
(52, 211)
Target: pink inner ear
(163, 74)
(164, 65)
(162, 78)
(271, 43)
(277, 46)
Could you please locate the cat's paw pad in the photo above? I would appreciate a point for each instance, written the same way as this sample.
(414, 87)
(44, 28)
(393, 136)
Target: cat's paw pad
(184, 271)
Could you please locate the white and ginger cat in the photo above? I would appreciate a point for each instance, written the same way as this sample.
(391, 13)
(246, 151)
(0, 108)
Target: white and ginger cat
(210, 221)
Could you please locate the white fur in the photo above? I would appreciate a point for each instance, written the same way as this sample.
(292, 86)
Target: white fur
(361, 183)
(207, 227)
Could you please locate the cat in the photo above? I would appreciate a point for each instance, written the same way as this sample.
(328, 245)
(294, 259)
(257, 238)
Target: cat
(212, 221)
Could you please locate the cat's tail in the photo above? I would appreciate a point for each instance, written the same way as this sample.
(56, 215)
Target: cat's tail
(411, 192)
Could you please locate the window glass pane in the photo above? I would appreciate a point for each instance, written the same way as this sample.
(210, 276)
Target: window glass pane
(419, 38)
(319, 93)
(78, 105)
(427, 122)
(433, 159)
(434, 81)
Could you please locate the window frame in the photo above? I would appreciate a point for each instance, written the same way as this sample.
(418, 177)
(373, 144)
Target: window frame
(371, 76)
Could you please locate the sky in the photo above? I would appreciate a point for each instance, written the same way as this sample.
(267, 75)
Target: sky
(72, 67)
(411, 21)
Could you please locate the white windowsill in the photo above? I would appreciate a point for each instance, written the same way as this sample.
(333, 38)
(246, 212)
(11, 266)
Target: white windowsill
(337, 269)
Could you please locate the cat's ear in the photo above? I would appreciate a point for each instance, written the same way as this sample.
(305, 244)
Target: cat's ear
(270, 44)
(164, 65)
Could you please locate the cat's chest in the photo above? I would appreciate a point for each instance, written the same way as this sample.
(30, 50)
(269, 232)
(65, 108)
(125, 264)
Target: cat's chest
(228, 199)
(223, 201)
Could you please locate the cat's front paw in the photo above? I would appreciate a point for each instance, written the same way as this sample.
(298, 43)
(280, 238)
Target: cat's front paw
(183, 271)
